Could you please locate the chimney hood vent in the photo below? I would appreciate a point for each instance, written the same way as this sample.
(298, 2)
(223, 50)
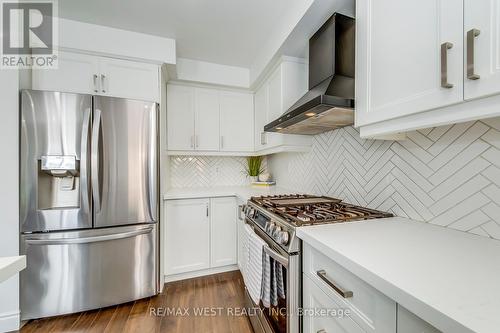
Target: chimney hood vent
(329, 103)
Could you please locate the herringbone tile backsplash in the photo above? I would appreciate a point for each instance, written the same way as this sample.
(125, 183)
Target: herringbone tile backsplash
(447, 175)
(205, 171)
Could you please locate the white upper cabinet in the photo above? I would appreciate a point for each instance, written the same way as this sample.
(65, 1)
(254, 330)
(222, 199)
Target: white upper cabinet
(426, 63)
(236, 122)
(276, 108)
(87, 74)
(180, 117)
(77, 73)
(286, 84)
(135, 80)
(482, 52)
(223, 232)
(409, 57)
(261, 104)
(206, 119)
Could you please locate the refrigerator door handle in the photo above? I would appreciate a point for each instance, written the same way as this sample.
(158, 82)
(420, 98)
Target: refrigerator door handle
(84, 240)
(96, 128)
(84, 162)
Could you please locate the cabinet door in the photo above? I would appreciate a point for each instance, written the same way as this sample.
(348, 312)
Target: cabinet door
(77, 73)
(206, 119)
(399, 57)
(129, 79)
(261, 107)
(482, 51)
(275, 96)
(315, 298)
(223, 232)
(236, 121)
(180, 117)
(187, 236)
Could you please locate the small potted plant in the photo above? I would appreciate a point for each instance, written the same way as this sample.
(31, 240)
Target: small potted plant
(254, 167)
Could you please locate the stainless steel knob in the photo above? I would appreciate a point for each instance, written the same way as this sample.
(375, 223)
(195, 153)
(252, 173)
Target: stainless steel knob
(284, 237)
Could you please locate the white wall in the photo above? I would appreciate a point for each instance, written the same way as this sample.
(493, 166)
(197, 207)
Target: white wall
(447, 175)
(9, 195)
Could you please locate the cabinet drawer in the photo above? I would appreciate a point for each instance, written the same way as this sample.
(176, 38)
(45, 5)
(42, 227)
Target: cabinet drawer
(315, 298)
(370, 309)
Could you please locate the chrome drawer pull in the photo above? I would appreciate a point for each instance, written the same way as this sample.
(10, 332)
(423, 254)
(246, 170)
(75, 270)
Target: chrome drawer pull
(444, 65)
(338, 290)
(321, 331)
(471, 35)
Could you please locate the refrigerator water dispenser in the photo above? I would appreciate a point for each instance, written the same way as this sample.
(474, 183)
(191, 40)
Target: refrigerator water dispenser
(58, 182)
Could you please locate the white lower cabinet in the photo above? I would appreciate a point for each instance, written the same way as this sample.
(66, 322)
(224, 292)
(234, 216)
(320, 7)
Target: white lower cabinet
(200, 234)
(324, 281)
(187, 236)
(335, 321)
(370, 309)
(223, 232)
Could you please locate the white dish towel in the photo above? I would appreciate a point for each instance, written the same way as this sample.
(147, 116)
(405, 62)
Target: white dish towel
(253, 271)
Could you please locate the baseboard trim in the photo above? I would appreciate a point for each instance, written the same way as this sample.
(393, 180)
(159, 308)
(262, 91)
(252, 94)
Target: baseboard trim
(203, 272)
(9, 321)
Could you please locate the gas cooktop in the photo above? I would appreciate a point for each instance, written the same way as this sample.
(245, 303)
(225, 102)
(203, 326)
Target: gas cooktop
(301, 210)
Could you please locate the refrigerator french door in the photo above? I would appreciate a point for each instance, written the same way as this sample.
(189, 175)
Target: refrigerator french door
(88, 202)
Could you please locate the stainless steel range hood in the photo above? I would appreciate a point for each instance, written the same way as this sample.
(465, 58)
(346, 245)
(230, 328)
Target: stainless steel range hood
(329, 103)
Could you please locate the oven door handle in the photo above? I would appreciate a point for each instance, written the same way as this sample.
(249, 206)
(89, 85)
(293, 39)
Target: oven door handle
(276, 256)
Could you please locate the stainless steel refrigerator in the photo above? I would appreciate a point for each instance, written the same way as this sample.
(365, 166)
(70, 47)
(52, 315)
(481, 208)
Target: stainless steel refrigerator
(88, 201)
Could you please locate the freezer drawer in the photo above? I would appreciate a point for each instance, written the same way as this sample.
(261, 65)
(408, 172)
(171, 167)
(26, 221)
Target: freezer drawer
(80, 270)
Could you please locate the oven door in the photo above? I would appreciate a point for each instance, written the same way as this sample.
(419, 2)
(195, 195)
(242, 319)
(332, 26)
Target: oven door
(283, 317)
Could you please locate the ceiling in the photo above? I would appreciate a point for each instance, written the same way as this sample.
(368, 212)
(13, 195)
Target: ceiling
(228, 32)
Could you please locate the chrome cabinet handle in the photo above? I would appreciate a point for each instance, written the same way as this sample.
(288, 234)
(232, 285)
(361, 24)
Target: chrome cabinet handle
(196, 145)
(192, 141)
(344, 293)
(95, 83)
(321, 331)
(444, 65)
(221, 142)
(103, 78)
(94, 160)
(207, 210)
(471, 34)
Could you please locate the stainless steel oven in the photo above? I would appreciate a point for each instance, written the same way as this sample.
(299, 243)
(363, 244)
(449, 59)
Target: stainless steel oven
(284, 317)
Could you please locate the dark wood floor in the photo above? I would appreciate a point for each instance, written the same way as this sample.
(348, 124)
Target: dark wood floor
(221, 292)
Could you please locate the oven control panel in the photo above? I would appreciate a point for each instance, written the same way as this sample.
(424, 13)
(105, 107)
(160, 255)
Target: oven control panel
(271, 227)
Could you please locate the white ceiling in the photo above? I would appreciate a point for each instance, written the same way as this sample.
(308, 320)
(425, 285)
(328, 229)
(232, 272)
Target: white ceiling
(229, 32)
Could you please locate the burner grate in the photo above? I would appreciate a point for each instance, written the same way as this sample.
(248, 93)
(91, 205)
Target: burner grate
(301, 210)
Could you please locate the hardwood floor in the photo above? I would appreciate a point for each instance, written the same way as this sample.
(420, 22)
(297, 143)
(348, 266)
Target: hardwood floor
(216, 296)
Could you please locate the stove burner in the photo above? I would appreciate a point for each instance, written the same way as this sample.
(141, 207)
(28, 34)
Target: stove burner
(301, 210)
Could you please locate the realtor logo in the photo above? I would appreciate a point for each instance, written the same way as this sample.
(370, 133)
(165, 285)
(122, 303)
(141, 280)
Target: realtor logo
(29, 33)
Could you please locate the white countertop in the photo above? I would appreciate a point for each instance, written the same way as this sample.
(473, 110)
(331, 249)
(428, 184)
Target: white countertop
(449, 278)
(10, 266)
(242, 192)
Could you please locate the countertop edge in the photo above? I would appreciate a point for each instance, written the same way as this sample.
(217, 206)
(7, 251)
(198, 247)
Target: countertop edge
(425, 311)
(13, 266)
